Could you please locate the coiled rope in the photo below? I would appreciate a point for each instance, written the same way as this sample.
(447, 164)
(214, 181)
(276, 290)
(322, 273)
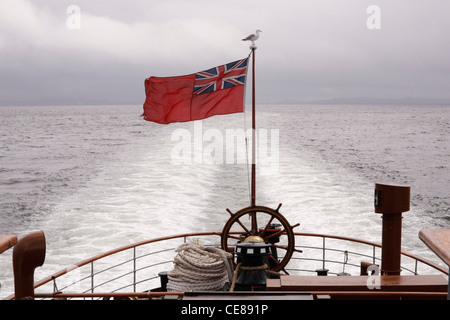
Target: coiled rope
(200, 268)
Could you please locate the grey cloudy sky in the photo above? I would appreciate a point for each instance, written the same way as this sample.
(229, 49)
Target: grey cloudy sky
(309, 50)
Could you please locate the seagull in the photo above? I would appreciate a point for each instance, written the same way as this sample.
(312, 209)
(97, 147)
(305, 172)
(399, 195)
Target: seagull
(253, 37)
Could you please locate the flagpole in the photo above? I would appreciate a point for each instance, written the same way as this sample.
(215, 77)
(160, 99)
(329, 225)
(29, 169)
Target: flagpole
(253, 193)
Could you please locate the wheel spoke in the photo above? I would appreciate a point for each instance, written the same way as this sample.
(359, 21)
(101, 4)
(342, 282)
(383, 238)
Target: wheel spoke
(271, 216)
(286, 248)
(239, 222)
(243, 227)
(267, 227)
(233, 237)
(254, 223)
(275, 234)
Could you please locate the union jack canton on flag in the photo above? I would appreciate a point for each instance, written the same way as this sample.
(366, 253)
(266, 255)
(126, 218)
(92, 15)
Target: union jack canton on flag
(221, 77)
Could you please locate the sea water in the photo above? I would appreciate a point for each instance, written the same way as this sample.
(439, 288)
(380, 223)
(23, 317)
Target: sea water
(98, 177)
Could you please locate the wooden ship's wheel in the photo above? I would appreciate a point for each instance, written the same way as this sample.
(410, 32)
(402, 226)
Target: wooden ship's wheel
(262, 223)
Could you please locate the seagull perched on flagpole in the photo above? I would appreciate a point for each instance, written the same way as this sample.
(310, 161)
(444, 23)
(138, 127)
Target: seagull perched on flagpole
(253, 37)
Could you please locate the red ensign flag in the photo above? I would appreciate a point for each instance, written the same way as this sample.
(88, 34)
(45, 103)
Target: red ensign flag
(219, 90)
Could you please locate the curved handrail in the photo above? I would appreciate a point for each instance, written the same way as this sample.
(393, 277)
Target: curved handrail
(120, 249)
(404, 253)
(202, 234)
(7, 241)
(185, 235)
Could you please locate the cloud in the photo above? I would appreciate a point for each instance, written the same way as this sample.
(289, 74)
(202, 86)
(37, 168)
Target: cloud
(107, 51)
(102, 37)
(308, 50)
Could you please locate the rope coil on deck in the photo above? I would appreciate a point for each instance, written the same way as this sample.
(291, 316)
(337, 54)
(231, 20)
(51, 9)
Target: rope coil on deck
(200, 268)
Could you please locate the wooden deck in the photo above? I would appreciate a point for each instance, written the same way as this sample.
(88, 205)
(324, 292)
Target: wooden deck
(400, 286)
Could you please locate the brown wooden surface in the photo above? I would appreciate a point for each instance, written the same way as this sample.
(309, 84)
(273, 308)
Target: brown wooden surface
(438, 241)
(426, 283)
(392, 199)
(7, 241)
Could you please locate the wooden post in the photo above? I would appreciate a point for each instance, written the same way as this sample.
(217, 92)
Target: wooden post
(28, 254)
(391, 201)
